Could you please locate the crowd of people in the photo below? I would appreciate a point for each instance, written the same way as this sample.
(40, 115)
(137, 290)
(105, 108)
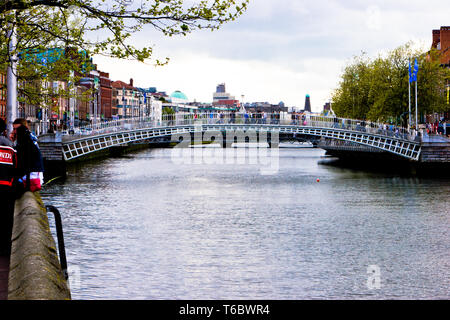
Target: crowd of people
(439, 128)
(21, 170)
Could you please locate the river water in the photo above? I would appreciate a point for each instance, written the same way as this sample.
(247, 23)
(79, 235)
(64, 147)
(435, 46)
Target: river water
(159, 225)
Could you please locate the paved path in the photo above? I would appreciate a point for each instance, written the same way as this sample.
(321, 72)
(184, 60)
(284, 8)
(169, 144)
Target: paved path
(435, 138)
(4, 271)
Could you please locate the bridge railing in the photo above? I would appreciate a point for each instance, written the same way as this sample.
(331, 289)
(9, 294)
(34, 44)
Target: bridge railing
(181, 119)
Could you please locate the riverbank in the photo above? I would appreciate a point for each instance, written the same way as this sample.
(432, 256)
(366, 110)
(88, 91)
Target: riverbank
(385, 163)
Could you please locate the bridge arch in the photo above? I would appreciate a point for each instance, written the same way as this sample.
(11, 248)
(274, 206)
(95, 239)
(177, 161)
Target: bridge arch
(90, 144)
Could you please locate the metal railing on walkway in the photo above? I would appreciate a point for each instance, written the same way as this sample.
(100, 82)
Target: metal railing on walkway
(60, 237)
(181, 119)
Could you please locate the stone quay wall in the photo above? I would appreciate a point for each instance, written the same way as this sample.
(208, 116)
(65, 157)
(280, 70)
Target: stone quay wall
(35, 272)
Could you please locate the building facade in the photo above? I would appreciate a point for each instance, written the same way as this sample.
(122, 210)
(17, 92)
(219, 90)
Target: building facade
(105, 96)
(307, 103)
(441, 42)
(224, 99)
(257, 107)
(127, 100)
(82, 106)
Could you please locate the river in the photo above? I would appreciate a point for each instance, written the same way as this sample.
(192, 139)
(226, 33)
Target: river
(153, 225)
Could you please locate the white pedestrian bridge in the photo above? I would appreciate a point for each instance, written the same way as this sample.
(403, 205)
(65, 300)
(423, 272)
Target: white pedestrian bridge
(87, 140)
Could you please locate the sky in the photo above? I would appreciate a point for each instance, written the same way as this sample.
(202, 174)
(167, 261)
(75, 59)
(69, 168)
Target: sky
(281, 50)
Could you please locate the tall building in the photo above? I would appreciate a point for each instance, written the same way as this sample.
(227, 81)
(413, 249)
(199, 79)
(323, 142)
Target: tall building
(105, 96)
(221, 94)
(222, 99)
(307, 103)
(220, 88)
(441, 42)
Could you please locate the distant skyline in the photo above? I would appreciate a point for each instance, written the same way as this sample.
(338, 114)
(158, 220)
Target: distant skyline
(281, 50)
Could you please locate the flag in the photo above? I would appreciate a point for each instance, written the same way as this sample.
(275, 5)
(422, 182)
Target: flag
(416, 67)
(413, 72)
(410, 74)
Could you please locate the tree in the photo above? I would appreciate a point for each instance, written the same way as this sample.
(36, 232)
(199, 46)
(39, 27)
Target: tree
(377, 89)
(167, 110)
(70, 25)
(113, 21)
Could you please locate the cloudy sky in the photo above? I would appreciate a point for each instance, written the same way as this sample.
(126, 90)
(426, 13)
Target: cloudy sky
(281, 50)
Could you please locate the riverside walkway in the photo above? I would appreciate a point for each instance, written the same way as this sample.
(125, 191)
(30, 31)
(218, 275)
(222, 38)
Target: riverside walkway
(90, 139)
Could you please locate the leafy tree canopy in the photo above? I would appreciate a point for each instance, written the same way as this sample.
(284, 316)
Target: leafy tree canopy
(70, 24)
(67, 21)
(377, 89)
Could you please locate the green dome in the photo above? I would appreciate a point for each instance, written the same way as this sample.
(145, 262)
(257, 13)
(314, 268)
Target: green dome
(179, 95)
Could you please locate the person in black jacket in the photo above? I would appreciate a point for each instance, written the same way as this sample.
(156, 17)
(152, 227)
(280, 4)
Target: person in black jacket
(30, 166)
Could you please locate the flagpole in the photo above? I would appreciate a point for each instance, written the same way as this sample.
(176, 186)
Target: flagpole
(409, 94)
(415, 79)
(416, 109)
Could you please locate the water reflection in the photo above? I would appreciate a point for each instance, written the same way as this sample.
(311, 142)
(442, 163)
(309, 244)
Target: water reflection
(144, 227)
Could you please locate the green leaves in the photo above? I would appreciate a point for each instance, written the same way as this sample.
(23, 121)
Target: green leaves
(377, 89)
(73, 24)
(114, 22)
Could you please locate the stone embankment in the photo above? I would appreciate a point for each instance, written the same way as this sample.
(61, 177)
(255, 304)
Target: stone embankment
(435, 152)
(35, 272)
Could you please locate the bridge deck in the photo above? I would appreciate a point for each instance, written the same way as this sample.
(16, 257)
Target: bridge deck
(397, 145)
(4, 273)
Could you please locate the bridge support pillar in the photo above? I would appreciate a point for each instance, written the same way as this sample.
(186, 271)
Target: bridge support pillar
(273, 140)
(226, 143)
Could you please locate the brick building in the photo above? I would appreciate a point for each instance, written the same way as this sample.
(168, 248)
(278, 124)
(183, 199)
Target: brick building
(105, 99)
(441, 42)
(82, 106)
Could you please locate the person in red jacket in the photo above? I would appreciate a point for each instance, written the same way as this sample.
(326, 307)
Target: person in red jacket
(8, 164)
